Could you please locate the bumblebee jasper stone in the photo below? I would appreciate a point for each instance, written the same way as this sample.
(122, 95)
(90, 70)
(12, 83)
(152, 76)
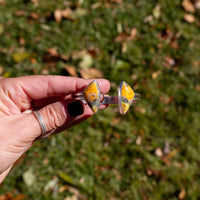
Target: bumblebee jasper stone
(91, 95)
(125, 97)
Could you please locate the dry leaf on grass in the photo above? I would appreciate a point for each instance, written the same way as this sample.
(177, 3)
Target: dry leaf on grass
(156, 74)
(188, 6)
(71, 70)
(169, 62)
(29, 178)
(189, 18)
(157, 12)
(53, 51)
(133, 33)
(52, 56)
(125, 37)
(68, 13)
(34, 15)
(86, 62)
(182, 194)
(121, 37)
(19, 57)
(58, 15)
(158, 152)
(78, 54)
(89, 73)
(197, 4)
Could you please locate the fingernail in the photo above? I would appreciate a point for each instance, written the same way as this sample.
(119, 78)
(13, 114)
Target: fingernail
(75, 109)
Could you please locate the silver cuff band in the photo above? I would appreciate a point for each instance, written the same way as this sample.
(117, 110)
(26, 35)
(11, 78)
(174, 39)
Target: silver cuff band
(41, 121)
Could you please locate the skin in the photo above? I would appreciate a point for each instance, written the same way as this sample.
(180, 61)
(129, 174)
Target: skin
(51, 95)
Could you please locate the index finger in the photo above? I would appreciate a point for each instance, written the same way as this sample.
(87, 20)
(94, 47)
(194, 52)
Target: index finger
(39, 86)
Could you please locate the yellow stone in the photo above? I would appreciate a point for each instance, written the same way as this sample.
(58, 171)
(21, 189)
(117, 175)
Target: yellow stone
(127, 91)
(91, 95)
(126, 96)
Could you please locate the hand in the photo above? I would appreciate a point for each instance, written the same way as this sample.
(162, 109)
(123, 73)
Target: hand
(51, 95)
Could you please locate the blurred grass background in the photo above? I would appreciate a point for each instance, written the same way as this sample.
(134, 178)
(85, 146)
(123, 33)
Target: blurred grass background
(151, 153)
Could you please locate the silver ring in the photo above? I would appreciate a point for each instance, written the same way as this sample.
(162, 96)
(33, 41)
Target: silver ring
(40, 120)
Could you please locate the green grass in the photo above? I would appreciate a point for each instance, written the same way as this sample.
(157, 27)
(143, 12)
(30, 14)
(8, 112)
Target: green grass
(103, 157)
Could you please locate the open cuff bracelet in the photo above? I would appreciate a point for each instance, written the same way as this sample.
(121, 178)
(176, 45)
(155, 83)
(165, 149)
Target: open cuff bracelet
(92, 96)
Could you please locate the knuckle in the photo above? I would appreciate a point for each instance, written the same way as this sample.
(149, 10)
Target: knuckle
(55, 116)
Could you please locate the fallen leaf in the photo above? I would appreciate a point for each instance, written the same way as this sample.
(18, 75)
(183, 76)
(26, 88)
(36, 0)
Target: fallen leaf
(51, 184)
(154, 172)
(93, 51)
(34, 15)
(158, 152)
(67, 13)
(188, 6)
(182, 194)
(167, 158)
(156, 12)
(52, 56)
(46, 71)
(29, 178)
(121, 37)
(124, 37)
(58, 15)
(71, 70)
(133, 33)
(197, 4)
(86, 62)
(174, 45)
(53, 51)
(121, 65)
(139, 140)
(124, 47)
(89, 73)
(6, 74)
(189, 18)
(96, 5)
(20, 56)
(65, 177)
(148, 19)
(74, 191)
(63, 188)
(78, 54)
(78, 13)
(22, 41)
(156, 74)
(169, 61)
